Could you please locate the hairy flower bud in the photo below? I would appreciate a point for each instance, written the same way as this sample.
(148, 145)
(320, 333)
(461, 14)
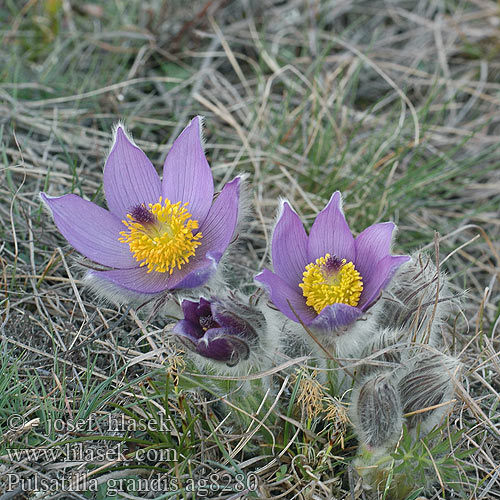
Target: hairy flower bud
(382, 350)
(429, 383)
(377, 412)
(418, 299)
(220, 330)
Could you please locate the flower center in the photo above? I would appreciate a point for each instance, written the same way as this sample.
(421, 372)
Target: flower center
(207, 322)
(161, 236)
(331, 280)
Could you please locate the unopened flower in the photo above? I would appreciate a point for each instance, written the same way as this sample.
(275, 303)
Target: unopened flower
(384, 350)
(223, 331)
(377, 412)
(427, 389)
(329, 278)
(418, 298)
(156, 235)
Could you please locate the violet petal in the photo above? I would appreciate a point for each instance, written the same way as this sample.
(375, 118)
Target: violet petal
(289, 247)
(188, 341)
(335, 316)
(281, 293)
(221, 345)
(193, 310)
(382, 273)
(331, 234)
(236, 325)
(228, 319)
(91, 230)
(186, 174)
(372, 245)
(218, 228)
(204, 307)
(217, 232)
(190, 310)
(192, 275)
(196, 273)
(188, 329)
(129, 177)
(137, 279)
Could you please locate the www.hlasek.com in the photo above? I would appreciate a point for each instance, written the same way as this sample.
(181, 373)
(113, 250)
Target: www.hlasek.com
(101, 451)
(223, 482)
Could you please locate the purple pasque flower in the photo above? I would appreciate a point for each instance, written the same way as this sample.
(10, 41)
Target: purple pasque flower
(328, 278)
(219, 330)
(156, 235)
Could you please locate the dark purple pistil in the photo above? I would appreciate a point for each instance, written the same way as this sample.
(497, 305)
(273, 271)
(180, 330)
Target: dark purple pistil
(332, 264)
(142, 215)
(207, 322)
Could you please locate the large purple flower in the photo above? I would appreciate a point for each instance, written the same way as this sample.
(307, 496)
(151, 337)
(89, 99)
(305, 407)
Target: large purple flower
(329, 278)
(218, 330)
(156, 235)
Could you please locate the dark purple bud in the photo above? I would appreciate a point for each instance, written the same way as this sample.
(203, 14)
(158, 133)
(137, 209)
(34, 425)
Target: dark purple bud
(221, 330)
(142, 215)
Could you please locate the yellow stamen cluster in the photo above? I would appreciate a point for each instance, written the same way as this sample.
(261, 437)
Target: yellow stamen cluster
(167, 241)
(323, 286)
